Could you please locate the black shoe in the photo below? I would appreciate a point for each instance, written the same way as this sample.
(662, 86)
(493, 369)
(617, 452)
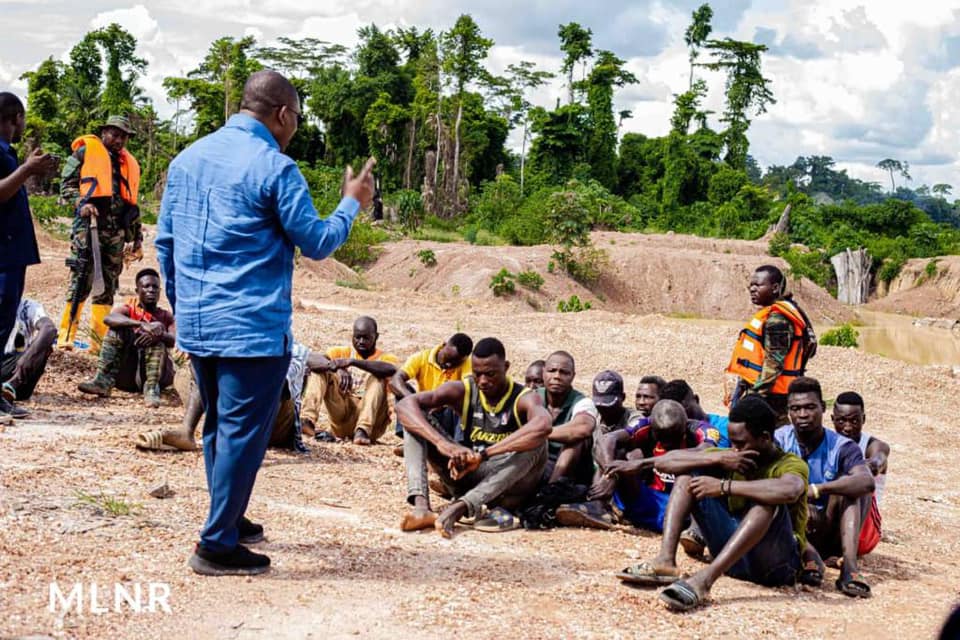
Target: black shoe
(238, 562)
(250, 532)
(11, 409)
(324, 436)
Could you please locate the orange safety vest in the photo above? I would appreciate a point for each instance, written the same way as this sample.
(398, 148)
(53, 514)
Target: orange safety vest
(747, 358)
(96, 173)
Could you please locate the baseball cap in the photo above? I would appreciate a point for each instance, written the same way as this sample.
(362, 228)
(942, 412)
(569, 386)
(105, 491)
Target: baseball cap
(607, 389)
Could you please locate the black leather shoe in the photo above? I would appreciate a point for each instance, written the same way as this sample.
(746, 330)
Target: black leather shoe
(239, 561)
(250, 532)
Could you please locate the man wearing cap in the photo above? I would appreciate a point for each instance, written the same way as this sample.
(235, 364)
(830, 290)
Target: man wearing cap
(101, 179)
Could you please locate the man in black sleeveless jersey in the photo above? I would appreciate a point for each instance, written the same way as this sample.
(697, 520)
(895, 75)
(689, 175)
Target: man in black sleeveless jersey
(499, 463)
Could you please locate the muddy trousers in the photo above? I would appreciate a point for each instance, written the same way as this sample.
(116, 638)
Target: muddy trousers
(506, 480)
(241, 397)
(347, 411)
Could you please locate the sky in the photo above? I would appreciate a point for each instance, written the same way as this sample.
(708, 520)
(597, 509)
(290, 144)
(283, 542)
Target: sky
(858, 81)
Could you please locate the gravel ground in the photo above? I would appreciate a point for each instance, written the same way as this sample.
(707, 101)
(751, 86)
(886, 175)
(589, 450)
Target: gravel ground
(341, 566)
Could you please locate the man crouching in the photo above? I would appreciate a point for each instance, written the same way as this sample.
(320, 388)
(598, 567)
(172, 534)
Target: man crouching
(501, 458)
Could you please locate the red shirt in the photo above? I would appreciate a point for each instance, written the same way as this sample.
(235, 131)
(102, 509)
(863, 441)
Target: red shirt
(641, 434)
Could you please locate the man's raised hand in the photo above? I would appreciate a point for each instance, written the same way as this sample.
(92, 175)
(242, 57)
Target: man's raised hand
(41, 164)
(361, 187)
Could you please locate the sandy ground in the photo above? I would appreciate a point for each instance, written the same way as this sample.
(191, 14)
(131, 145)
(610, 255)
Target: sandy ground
(341, 567)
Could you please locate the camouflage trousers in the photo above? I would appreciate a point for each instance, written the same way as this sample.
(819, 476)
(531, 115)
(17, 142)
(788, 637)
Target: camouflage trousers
(131, 368)
(111, 259)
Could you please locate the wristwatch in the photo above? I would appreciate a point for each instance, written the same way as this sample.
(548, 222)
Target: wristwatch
(482, 450)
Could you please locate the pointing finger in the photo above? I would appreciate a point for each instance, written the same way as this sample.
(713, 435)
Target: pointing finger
(368, 167)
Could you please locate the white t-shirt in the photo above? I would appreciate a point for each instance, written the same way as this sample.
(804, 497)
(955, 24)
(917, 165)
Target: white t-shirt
(585, 405)
(26, 328)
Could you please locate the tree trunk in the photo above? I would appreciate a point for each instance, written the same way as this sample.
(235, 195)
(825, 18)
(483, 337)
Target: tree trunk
(408, 172)
(853, 275)
(570, 85)
(428, 191)
(456, 155)
(523, 154)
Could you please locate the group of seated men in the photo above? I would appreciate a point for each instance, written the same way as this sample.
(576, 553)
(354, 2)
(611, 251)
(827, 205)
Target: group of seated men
(770, 505)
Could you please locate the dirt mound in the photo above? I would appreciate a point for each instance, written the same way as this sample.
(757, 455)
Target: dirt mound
(916, 292)
(666, 274)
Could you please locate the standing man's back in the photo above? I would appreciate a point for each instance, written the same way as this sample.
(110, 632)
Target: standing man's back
(233, 210)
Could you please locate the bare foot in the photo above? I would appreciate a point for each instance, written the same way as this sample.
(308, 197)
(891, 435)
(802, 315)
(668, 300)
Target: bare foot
(360, 437)
(447, 519)
(179, 439)
(418, 519)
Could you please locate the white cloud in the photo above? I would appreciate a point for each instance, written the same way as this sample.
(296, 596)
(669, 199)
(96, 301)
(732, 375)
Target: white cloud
(137, 20)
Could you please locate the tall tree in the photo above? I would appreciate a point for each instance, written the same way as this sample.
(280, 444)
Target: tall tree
(608, 72)
(521, 79)
(696, 35)
(895, 166)
(463, 50)
(576, 44)
(119, 48)
(942, 189)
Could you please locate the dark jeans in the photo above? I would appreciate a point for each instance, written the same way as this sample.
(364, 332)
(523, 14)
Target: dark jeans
(446, 419)
(241, 397)
(11, 291)
(24, 369)
(773, 562)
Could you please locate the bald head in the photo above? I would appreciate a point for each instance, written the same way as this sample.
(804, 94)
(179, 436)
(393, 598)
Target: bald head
(265, 91)
(668, 415)
(365, 335)
(365, 323)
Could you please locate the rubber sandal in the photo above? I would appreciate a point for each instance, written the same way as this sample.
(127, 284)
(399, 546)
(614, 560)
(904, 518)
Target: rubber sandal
(854, 586)
(324, 436)
(589, 515)
(693, 543)
(152, 441)
(497, 521)
(811, 574)
(680, 596)
(645, 574)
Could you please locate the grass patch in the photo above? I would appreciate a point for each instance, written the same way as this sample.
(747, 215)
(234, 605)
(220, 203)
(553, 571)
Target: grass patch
(108, 505)
(359, 283)
(843, 336)
(684, 315)
(437, 235)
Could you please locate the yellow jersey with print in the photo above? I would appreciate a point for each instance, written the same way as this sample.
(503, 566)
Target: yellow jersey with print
(424, 369)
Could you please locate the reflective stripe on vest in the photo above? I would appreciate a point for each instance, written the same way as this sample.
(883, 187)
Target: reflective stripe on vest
(748, 354)
(96, 173)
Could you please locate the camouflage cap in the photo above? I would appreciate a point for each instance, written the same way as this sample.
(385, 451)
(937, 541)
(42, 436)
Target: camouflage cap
(120, 122)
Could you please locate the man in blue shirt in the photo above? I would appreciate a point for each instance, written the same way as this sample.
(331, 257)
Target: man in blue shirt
(18, 244)
(840, 492)
(233, 210)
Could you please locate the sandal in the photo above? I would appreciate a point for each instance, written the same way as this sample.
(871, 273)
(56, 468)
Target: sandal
(645, 574)
(811, 574)
(497, 521)
(692, 542)
(589, 515)
(152, 441)
(680, 596)
(853, 585)
(324, 436)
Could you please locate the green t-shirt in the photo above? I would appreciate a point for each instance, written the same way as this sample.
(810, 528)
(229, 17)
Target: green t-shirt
(785, 463)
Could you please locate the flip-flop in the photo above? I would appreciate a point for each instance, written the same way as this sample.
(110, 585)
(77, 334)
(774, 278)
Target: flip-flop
(152, 441)
(590, 515)
(324, 436)
(680, 596)
(693, 543)
(497, 521)
(645, 574)
(854, 586)
(811, 574)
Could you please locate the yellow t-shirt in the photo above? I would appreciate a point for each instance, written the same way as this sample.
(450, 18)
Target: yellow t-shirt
(359, 377)
(422, 367)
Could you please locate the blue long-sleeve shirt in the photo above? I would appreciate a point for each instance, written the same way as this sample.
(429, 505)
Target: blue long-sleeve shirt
(233, 209)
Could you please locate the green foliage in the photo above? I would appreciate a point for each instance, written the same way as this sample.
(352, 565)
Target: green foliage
(361, 246)
(812, 265)
(410, 212)
(572, 305)
(890, 268)
(103, 504)
(427, 257)
(779, 245)
(530, 279)
(50, 215)
(358, 283)
(502, 284)
(843, 336)
(930, 270)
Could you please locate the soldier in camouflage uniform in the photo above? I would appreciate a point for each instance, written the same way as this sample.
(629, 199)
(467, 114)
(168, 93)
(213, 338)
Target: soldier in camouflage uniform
(101, 178)
(134, 356)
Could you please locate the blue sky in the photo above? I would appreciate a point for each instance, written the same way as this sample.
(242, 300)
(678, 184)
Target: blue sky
(860, 81)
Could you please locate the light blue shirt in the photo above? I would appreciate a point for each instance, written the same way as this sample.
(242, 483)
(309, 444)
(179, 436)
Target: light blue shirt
(233, 209)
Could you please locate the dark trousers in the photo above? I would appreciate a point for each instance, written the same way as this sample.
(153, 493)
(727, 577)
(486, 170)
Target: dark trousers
(24, 369)
(773, 562)
(241, 397)
(11, 290)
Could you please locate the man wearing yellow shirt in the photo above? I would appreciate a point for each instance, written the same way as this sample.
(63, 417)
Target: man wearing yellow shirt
(430, 368)
(356, 403)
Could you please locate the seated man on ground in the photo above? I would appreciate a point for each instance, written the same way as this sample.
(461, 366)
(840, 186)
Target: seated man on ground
(357, 404)
(287, 429)
(25, 355)
(533, 377)
(648, 393)
(574, 419)
(447, 362)
(750, 503)
(501, 460)
(841, 488)
(630, 465)
(680, 391)
(134, 354)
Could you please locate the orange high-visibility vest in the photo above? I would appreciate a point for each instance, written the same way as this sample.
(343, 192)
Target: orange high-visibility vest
(748, 354)
(96, 173)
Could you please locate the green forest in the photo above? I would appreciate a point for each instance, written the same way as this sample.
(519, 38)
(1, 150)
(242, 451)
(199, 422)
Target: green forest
(438, 121)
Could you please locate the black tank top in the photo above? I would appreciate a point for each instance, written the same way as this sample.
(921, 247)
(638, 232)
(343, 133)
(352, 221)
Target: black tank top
(484, 425)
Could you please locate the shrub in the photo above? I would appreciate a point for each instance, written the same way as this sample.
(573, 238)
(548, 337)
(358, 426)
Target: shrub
(779, 245)
(410, 210)
(572, 305)
(584, 264)
(891, 268)
(502, 283)
(361, 246)
(530, 279)
(931, 269)
(427, 257)
(843, 336)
